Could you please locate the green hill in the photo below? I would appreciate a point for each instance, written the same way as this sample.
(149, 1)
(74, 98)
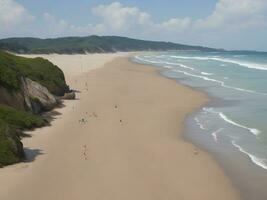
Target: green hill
(37, 69)
(92, 44)
(15, 113)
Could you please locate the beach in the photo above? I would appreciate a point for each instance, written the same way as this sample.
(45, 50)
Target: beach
(121, 139)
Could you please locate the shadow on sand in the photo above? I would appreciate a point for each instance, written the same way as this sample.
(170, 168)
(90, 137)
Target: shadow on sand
(31, 154)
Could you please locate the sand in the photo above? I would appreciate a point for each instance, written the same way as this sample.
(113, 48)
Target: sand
(122, 140)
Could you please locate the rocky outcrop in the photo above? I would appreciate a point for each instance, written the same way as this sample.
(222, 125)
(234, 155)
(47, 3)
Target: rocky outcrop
(37, 97)
(70, 95)
(12, 98)
(31, 97)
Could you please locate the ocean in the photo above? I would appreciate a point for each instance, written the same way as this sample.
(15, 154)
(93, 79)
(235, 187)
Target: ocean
(233, 125)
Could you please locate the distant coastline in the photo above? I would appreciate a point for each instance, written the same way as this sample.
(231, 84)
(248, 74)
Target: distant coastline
(90, 44)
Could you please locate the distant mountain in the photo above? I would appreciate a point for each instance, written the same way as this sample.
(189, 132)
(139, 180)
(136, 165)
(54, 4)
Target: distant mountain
(90, 44)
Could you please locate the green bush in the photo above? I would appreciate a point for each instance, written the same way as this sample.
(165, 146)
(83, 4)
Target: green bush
(20, 119)
(11, 121)
(12, 68)
(11, 149)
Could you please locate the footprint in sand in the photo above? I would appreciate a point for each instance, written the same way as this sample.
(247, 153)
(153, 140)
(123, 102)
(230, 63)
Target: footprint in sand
(85, 152)
(95, 115)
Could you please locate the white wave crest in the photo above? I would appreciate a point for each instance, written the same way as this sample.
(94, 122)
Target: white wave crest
(178, 64)
(168, 67)
(184, 66)
(199, 124)
(206, 73)
(219, 82)
(254, 131)
(163, 62)
(214, 134)
(226, 60)
(258, 161)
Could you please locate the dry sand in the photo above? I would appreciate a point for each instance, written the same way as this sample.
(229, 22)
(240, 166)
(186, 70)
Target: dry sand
(121, 140)
(75, 65)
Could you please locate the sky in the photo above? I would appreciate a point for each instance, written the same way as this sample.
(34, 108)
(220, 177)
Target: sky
(229, 24)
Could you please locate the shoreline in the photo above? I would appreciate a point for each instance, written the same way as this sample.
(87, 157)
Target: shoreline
(244, 191)
(250, 178)
(150, 158)
(216, 157)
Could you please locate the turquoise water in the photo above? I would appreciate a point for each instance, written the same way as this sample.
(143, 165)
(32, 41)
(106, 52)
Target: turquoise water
(236, 118)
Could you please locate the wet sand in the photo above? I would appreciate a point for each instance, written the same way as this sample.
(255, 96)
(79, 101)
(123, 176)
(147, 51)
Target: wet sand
(121, 139)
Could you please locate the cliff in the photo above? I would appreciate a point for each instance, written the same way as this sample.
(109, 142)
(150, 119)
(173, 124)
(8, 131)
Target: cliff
(27, 88)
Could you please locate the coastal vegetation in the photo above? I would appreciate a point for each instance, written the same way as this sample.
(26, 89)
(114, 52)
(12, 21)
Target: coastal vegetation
(12, 122)
(90, 44)
(37, 69)
(24, 82)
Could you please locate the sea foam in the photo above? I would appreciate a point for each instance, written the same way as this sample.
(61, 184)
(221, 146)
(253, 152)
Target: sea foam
(219, 82)
(163, 62)
(226, 60)
(254, 131)
(214, 134)
(206, 73)
(201, 126)
(258, 161)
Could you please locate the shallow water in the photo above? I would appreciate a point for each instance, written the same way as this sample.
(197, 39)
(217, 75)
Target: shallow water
(233, 125)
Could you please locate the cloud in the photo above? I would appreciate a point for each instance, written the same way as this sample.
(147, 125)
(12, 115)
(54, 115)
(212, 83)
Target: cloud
(227, 15)
(12, 16)
(236, 13)
(121, 18)
(124, 19)
(227, 18)
(54, 27)
(116, 18)
(176, 24)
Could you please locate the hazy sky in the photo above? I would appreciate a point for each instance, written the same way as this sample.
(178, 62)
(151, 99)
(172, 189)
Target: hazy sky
(231, 24)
